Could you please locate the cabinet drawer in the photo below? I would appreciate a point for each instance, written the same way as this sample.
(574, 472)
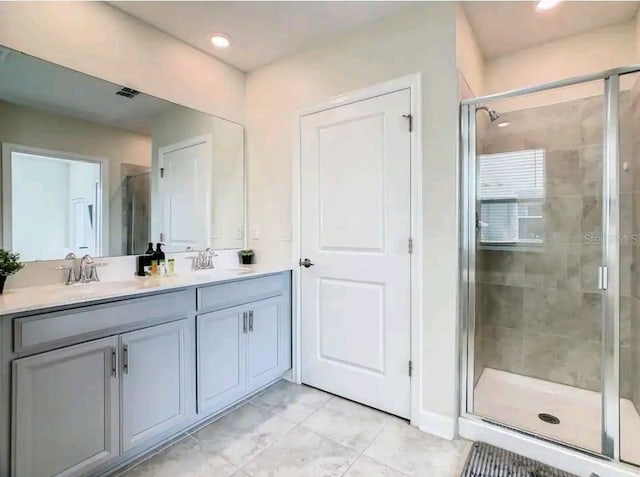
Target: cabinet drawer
(225, 295)
(37, 332)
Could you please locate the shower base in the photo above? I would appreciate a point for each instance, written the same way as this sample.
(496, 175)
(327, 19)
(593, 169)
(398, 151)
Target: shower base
(518, 401)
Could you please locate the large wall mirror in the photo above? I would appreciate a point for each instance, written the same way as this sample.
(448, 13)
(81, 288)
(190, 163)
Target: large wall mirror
(90, 167)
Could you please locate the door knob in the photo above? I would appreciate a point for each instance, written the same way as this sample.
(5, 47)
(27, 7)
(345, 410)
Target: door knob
(306, 263)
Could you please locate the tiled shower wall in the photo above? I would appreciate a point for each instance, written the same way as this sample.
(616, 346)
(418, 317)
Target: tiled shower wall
(540, 310)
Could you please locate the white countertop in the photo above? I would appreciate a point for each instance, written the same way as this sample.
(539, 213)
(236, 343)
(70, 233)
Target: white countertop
(28, 299)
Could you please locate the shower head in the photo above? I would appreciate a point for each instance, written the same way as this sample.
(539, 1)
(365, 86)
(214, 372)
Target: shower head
(493, 115)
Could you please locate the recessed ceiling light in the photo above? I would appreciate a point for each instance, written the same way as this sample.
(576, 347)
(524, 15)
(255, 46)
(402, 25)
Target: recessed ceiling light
(546, 5)
(503, 124)
(220, 41)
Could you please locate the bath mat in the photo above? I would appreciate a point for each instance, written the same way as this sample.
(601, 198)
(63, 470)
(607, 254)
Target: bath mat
(489, 461)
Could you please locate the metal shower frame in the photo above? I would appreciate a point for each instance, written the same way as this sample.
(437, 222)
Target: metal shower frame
(608, 272)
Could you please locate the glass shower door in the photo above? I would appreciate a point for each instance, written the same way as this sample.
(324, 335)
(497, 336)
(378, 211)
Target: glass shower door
(534, 261)
(629, 331)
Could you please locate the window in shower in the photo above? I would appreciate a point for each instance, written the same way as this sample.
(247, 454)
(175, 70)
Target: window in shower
(512, 193)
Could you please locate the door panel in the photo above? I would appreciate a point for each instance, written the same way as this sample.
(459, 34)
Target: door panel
(355, 228)
(154, 381)
(264, 354)
(221, 359)
(66, 410)
(185, 192)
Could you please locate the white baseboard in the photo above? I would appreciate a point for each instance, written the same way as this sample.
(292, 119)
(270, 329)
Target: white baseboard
(546, 452)
(437, 424)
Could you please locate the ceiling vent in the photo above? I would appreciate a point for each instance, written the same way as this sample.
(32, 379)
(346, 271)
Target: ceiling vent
(128, 93)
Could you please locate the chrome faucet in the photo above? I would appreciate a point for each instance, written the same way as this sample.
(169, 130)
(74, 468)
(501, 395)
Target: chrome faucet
(87, 271)
(71, 277)
(203, 261)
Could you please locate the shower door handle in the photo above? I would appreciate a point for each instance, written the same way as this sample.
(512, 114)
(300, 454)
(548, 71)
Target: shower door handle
(602, 278)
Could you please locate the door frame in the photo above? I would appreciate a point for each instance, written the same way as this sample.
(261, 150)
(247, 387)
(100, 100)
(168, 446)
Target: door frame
(413, 83)
(102, 244)
(204, 139)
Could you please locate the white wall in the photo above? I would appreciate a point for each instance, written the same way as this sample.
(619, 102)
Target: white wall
(97, 39)
(421, 38)
(588, 52)
(471, 62)
(31, 127)
(637, 29)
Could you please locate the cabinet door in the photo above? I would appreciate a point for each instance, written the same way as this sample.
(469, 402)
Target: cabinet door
(65, 410)
(154, 381)
(265, 342)
(221, 358)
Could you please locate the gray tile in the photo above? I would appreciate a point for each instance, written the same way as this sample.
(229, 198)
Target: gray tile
(591, 221)
(239, 473)
(588, 356)
(591, 120)
(347, 423)
(403, 447)
(560, 312)
(366, 467)
(563, 172)
(242, 434)
(501, 267)
(502, 306)
(550, 357)
(502, 349)
(591, 170)
(563, 219)
(290, 401)
(302, 453)
(187, 458)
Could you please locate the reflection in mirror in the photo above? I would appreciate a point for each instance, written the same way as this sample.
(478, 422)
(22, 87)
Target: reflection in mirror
(90, 167)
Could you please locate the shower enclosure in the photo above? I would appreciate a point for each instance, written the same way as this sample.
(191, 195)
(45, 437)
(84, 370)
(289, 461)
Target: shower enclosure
(551, 262)
(136, 213)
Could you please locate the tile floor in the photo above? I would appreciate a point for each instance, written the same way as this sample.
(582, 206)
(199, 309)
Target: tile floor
(298, 431)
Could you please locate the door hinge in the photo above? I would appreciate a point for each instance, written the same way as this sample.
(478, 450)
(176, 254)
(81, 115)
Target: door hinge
(161, 172)
(410, 368)
(410, 245)
(161, 236)
(410, 118)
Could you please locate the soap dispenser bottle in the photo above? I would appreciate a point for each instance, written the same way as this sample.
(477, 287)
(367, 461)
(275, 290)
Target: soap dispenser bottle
(158, 258)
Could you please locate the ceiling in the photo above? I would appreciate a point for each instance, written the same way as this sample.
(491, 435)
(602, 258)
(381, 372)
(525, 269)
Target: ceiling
(505, 27)
(260, 32)
(38, 84)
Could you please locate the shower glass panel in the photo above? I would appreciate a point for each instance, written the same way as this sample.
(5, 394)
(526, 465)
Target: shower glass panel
(537, 251)
(629, 349)
(136, 213)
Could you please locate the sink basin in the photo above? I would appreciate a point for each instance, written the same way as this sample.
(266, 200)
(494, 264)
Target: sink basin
(99, 287)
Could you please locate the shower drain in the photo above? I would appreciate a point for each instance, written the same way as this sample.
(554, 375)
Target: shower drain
(548, 418)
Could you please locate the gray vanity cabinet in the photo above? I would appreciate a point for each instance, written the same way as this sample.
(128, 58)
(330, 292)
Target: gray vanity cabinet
(221, 358)
(266, 348)
(155, 381)
(66, 410)
(244, 342)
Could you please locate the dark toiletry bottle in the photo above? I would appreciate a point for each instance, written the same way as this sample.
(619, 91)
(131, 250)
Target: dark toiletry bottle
(158, 254)
(149, 249)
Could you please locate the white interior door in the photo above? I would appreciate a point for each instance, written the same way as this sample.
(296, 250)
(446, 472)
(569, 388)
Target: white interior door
(355, 229)
(185, 180)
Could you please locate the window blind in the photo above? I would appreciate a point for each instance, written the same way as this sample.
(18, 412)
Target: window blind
(511, 191)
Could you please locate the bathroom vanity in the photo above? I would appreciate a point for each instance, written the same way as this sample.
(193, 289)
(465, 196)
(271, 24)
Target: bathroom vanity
(123, 367)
